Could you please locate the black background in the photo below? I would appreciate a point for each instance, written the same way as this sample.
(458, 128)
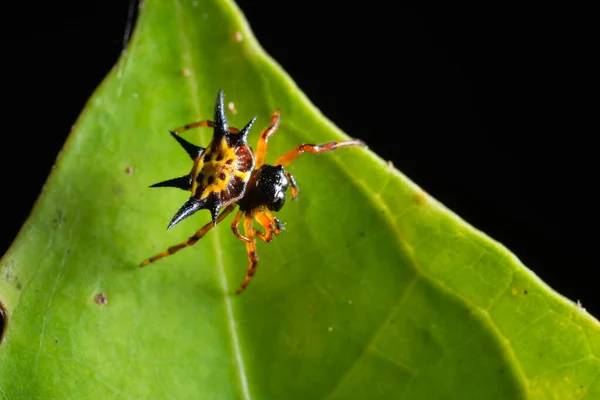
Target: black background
(488, 110)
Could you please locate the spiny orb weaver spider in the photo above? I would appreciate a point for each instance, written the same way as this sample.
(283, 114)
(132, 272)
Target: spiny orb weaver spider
(227, 174)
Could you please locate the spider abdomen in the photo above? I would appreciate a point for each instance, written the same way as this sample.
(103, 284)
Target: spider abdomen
(224, 173)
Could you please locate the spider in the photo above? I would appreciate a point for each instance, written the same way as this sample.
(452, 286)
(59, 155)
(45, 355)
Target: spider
(227, 174)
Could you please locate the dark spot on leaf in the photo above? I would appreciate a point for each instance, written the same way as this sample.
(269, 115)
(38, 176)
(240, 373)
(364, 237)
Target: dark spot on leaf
(59, 217)
(501, 370)
(68, 251)
(362, 234)
(3, 322)
(101, 299)
(55, 340)
(19, 286)
(581, 387)
(129, 170)
(525, 291)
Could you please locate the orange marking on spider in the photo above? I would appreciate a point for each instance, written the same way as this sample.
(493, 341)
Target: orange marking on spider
(228, 174)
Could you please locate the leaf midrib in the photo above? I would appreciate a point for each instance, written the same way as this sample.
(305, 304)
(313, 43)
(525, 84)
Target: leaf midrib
(229, 315)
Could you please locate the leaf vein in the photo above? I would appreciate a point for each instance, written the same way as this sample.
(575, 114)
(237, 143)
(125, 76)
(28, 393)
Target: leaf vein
(56, 281)
(370, 343)
(486, 318)
(239, 362)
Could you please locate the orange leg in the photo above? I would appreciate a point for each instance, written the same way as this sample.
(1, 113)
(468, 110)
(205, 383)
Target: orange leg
(293, 184)
(251, 250)
(291, 155)
(192, 240)
(268, 225)
(206, 123)
(234, 226)
(261, 149)
(275, 223)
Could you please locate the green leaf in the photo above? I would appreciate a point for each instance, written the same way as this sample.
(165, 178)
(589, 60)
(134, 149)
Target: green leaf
(374, 291)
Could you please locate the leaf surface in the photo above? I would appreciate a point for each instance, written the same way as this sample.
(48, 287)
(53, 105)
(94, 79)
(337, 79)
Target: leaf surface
(374, 290)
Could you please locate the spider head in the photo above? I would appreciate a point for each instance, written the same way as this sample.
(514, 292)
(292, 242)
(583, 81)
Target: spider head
(273, 184)
(267, 187)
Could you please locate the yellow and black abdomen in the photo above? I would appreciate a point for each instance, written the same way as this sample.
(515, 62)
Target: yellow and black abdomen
(223, 175)
(220, 172)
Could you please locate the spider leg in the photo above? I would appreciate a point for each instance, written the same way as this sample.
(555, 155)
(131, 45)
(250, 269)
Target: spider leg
(291, 155)
(293, 184)
(269, 225)
(261, 149)
(192, 239)
(234, 226)
(251, 250)
(275, 222)
(206, 123)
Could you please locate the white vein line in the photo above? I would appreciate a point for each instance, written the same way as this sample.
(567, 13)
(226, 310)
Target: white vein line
(3, 394)
(370, 345)
(60, 269)
(239, 361)
(231, 320)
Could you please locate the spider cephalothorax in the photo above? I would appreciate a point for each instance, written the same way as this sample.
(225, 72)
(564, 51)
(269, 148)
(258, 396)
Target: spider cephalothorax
(228, 174)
